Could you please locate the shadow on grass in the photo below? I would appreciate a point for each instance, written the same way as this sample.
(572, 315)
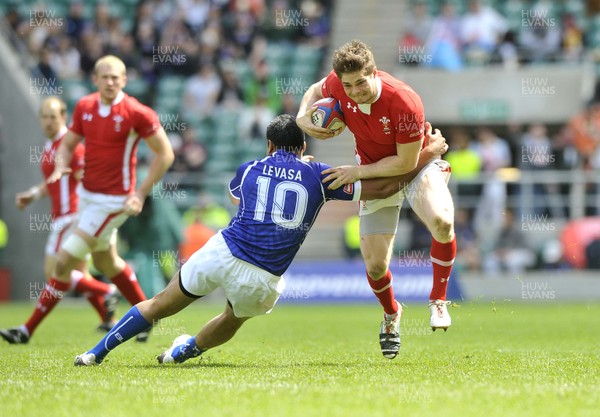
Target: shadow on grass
(262, 365)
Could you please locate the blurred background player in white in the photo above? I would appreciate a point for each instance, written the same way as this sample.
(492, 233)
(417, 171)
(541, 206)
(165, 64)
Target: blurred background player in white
(112, 123)
(387, 119)
(63, 200)
(279, 198)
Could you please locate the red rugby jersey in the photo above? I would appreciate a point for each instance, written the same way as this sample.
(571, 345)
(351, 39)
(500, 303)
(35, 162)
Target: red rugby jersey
(397, 116)
(62, 193)
(112, 134)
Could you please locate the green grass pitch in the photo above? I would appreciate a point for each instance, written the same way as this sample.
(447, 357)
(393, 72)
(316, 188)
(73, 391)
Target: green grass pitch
(498, 359)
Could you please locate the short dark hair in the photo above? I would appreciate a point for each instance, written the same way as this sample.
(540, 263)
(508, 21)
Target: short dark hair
(285, 133)
(351, 57)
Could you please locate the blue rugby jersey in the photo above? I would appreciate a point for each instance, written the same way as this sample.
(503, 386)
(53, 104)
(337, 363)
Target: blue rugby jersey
(280, 197)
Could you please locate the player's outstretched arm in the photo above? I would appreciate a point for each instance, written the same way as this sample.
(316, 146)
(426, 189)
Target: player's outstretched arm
(435, 145)
(163, 158)
(404, 162)
(64, 154)
(36, 192)
(376, 188)
(305, 111)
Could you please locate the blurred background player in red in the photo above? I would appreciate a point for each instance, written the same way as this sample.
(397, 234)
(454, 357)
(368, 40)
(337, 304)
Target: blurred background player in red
(112, 124)
(63, 200)
(387, 119)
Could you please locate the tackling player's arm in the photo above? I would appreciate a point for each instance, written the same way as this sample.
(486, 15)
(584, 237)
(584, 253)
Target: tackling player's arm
(435, 146)
(405, 160)
(36, 192)
(64, 154)
(305, 111)
(159, 144)
(377, 188)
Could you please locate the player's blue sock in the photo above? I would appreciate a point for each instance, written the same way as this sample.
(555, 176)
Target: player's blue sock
(130, 325)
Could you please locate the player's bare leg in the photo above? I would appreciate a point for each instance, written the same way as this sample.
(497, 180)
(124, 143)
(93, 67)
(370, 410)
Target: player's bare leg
(122, 275)
(71, 265)
(119, 272)
(169, 301)
(377, 253)
(109, 261)
(217, 331)
(58, 283)
(138, 319)
(101, 296)
(49, 265)
(433, 204)
(220, 329)
(58, 271)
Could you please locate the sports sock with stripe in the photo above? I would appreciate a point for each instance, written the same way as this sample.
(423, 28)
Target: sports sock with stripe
(130, 325)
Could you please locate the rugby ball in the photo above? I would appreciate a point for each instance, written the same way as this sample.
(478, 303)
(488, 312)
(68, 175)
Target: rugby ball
(328, 114)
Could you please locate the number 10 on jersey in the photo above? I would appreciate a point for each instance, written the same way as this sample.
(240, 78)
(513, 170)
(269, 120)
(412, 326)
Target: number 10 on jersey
(280, 193)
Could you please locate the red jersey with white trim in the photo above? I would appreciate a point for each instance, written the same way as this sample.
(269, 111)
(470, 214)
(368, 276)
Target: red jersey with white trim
(62, 193)
(112, 134)
(396, 116)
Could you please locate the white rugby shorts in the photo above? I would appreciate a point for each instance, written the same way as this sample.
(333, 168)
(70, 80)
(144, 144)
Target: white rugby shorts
(388, 221)
(434, 167)
(59, 230)
(252, 291)
(100, 215)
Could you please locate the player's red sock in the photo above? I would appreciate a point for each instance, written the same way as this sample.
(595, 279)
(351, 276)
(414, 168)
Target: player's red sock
(97, 301)
(442, 259)
(53, 292)
(86, 285)
(127, 283)
(382, 288)
(93, 289)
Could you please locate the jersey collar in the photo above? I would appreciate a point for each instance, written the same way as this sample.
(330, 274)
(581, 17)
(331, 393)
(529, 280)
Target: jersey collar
(121, 95)
(60, 133)
(366, 108)
(104, 110)
(280, 151)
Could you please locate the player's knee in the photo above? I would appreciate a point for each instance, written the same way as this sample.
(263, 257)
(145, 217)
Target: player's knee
(154, 309)
(376, 269)
(100, 263)
(62, 268)
(106, 264)
(443, 229)
(234, 323)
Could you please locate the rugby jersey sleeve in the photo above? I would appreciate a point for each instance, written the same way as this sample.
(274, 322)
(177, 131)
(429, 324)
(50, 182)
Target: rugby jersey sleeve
(348, 192)
(147, 121)
(235, 185)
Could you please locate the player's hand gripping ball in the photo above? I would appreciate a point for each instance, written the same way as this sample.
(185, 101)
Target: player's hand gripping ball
(328, 114)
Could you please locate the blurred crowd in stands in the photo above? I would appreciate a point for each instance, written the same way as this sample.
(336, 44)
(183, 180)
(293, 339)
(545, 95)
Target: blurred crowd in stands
(500, 228)
(452, 34)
